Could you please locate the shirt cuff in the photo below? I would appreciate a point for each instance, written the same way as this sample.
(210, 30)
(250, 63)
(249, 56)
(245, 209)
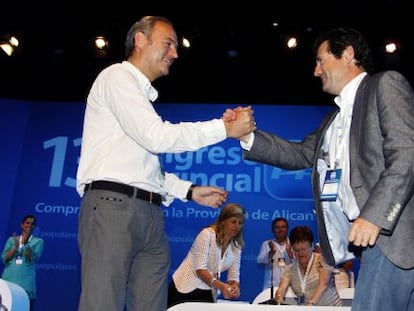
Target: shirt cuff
(247, 146)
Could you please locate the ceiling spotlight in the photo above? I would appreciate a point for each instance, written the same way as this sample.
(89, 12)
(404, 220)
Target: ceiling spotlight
(186, 42)
(7, 48)
(292, 43)
(8, 45)
(13, 41)
(390, 47)
(101, 43)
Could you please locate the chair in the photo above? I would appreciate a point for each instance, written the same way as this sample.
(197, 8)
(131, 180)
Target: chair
(13, 296)
(344, 279)
(346, 295)
(290, 297)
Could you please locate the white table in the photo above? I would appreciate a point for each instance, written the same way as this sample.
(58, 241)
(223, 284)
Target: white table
(233, 306)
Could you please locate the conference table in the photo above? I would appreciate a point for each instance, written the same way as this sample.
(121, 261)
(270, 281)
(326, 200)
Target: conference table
(234, 306)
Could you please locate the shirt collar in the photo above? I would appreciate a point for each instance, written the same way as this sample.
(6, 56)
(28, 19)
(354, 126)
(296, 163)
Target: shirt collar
(347, 94)
(150, 92)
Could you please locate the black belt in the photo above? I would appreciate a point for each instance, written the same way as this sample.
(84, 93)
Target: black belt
(152, 197)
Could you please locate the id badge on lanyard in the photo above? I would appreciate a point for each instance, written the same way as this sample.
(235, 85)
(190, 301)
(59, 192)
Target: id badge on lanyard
(19, 258)
(331, 185)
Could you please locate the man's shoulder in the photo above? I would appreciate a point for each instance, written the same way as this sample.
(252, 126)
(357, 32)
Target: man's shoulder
(386, 79)
(114, 67)
(386, 74)
(266, 242)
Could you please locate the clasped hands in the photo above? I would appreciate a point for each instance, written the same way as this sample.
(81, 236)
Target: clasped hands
(231, 290)
(239, 122)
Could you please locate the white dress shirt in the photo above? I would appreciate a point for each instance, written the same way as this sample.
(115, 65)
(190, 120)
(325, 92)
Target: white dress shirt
(336, 145)
(123, 135)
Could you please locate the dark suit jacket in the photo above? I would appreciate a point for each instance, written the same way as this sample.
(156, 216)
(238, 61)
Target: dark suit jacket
(381, 162)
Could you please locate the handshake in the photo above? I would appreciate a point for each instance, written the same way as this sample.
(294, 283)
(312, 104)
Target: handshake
(239, 122)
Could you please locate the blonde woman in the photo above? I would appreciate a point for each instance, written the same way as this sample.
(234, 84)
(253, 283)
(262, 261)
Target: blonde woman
(216, 248)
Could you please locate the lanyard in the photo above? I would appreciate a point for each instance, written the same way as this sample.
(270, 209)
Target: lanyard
(280, 248)
(304, 279)
(21, 244)
(339, 135)
(336, 143)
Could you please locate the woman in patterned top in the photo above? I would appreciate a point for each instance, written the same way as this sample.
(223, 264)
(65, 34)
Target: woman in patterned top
(311, 279)
(216, 248)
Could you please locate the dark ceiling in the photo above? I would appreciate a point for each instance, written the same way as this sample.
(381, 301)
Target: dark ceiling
(55, 62)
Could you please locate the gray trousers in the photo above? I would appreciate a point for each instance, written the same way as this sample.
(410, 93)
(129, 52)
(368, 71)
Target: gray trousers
(125, 255)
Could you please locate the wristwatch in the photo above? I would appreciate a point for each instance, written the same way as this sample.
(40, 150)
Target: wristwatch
(189, 196)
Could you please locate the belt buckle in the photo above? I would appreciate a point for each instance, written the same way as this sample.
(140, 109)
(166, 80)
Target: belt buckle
(150, 198)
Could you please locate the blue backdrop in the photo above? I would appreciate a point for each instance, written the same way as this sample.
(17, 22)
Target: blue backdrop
(41, 144)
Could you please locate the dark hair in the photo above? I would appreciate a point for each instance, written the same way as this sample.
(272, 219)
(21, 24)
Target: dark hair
(301, 234)
(144, 25)
(228, 211)
(340, 38)
(280, 219)
(27, 217)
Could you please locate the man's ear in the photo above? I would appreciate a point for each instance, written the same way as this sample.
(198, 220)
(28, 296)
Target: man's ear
(349, 53)
(140, 39)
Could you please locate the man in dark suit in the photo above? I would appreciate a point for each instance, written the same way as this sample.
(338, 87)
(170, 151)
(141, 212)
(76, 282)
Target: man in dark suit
(363, 176)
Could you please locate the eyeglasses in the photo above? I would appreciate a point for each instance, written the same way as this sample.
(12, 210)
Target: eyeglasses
(303, 249)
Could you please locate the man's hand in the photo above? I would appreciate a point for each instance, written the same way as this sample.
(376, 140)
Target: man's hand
(363, 233)
(239, 122)
(272, 250)
(230, 114)
(209, 196)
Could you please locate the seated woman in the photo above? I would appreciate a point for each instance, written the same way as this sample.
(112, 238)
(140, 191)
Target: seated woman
(216, 248)
(310, 277)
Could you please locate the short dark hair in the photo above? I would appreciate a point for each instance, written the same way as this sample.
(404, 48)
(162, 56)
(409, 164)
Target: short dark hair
(340, 38)
(301, 234)
(280, 219)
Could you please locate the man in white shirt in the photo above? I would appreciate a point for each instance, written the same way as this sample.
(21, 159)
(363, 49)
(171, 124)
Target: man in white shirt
(124, 249)
(275, 253)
